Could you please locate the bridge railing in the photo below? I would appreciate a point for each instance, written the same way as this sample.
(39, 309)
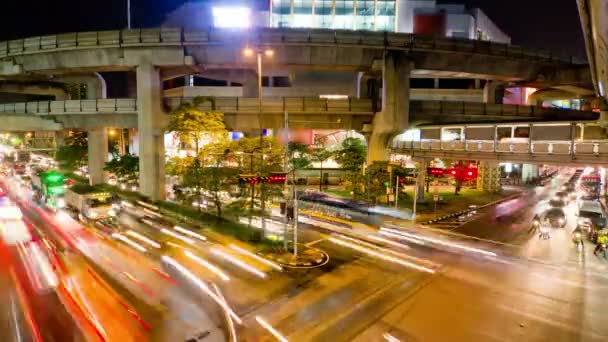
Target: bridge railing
(71, 106)
(557, 147)
(222, 104)
(269, 36)
(281, 104)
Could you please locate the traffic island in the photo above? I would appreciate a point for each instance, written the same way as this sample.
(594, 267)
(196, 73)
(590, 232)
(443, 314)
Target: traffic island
(308, 257)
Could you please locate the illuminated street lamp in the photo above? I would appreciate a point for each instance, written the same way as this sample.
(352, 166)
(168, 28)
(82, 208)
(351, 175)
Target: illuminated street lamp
(248, 52)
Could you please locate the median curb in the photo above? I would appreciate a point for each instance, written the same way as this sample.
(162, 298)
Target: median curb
(465, 211)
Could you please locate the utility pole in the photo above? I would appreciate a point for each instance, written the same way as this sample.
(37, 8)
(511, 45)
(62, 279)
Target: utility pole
(396, 191)
(129, 14)
(285, 168)
(415, 200)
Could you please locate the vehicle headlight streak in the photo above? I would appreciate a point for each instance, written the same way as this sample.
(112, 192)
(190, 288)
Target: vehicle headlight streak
(207, 265)
(380, 256)
(191, 233)
(129, 242)
(439, 242)
(144, 239)
(239, 263)
(256, 257)
(201, 285)
(177, 236)
(413, 240)
(270, 329)
(388, 242)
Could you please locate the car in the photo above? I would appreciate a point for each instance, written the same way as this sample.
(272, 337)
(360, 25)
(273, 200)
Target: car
(563, 195)
(557, 202)
(556, 217)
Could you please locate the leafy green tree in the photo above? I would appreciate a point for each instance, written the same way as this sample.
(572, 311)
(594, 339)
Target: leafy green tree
(298, 155)
(320, 155)
(192, 125)
(351, 156)
(125, 167)
(73, 154)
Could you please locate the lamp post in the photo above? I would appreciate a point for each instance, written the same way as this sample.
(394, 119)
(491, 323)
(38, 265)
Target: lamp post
(249, 52)
(129, 14)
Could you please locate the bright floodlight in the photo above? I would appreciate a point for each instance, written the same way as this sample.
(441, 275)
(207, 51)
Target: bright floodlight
(269, 53)
(231, 17)
(248, 52)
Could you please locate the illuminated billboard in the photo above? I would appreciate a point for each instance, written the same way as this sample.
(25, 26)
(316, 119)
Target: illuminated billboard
(231, 17)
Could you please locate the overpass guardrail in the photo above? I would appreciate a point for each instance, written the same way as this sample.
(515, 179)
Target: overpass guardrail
(270, 36)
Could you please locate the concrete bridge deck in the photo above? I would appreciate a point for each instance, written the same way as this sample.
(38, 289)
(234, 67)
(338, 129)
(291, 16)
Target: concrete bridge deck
(241, 113)
(294, 48)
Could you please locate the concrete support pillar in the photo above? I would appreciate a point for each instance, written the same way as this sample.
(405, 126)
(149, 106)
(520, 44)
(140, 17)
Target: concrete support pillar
(421, 181)
(488, 177)
(250, 84)
(393, 119)
(98, 155)
(59, 138)
(477, 83)
(133, 141)
(362, 86)
(150, 122)
(529, 172)
(436, 83)
(603, 119)
(493, 92)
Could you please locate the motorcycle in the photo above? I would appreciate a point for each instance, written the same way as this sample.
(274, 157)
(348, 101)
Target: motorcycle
(603, 249)
(544, 233)
(577, 238)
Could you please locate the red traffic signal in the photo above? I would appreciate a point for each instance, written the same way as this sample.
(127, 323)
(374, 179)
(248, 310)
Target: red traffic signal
(434, 171)
(277, 178)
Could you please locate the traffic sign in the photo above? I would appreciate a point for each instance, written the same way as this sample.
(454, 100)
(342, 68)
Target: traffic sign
(436, 197)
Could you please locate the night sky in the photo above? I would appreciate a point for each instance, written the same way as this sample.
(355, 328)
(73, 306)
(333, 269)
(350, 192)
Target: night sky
(549, 24)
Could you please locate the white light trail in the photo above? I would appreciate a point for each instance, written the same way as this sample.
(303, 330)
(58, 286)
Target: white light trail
(390, 338)
(413, 240)
(228, 318)
(129, 242)
(149, 206)
(389, 242)
(153, 213)
(191, 233)
(270, 329)
(256, 257)
(439, 242)
(381, 256)
(207, 265)
(239, 263)
(144, 239)
(177, 236)
(201, 285)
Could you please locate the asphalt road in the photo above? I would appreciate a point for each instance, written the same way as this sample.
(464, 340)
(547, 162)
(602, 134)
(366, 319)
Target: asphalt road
(530, 290)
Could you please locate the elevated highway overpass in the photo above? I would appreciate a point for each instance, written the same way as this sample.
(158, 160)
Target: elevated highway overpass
(240, 113)
(155, 54)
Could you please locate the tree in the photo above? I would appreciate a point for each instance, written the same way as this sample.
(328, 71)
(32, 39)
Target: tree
(298, 155)
(320, 155)
(74, 153)
(125, 168)
(192, 125)
(351, 156)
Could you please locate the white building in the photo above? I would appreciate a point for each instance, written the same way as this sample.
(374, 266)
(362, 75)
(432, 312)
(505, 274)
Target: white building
(408, 16)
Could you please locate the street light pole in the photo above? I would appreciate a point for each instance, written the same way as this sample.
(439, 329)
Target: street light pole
(129, 14)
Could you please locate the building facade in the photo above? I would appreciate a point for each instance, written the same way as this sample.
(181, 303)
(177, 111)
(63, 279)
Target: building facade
(427, 17)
